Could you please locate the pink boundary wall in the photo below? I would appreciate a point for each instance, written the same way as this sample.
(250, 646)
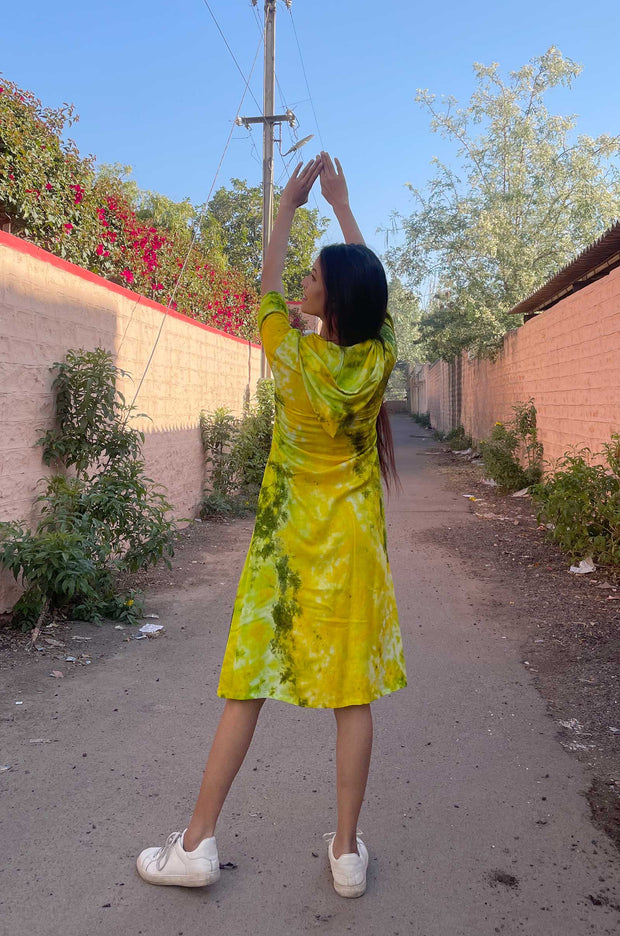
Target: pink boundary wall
(47, 306)
(567, 359)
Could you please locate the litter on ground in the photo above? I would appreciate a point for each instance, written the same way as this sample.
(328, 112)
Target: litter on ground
(151, 628)
(585, 566)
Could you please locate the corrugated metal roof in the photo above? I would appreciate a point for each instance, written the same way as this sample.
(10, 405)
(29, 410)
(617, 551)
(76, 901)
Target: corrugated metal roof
(596, 260)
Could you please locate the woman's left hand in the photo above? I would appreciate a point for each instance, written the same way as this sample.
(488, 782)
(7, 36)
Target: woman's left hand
(298, 187)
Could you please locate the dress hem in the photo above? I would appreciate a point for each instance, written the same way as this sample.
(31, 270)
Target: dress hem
(282, 698)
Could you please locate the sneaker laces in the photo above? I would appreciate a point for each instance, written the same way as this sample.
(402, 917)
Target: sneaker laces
(164, 852)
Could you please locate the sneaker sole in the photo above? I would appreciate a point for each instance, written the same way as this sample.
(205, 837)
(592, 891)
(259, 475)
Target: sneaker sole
(181, 880)
(350, 890)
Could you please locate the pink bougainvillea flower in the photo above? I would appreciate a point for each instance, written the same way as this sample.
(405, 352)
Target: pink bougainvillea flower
(11, 177)
(128, 275)
(100, 249)
(79, 193)
(48, 186)
(68, 226)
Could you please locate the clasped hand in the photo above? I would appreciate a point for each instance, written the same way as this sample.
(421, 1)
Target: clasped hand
(333, 183)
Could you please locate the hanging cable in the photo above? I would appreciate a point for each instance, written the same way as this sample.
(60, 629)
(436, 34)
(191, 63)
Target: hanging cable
(196, 227)
(303, 68)
(219, 29)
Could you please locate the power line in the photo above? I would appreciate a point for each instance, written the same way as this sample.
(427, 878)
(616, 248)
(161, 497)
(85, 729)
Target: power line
(303, 68)
(219, 29)
(196, 229)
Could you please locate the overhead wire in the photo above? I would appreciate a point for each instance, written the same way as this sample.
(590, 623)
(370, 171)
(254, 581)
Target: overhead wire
(303, 68)
(196, 226)
(233, 56)
(202, 213)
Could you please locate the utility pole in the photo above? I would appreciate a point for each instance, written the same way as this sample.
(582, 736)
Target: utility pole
(269, 93)
(268, 119)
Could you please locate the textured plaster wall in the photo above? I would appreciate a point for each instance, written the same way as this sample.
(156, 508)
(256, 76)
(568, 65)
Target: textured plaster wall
(567, 359)
(48, 306)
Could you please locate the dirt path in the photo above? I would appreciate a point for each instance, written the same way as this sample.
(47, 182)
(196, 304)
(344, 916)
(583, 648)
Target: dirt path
(475, 817)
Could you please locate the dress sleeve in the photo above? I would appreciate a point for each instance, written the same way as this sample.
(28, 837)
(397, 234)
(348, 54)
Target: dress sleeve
(273, 323)
(388, 336)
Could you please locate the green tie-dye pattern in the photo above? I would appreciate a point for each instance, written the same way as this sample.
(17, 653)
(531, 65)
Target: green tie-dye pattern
(315, 620)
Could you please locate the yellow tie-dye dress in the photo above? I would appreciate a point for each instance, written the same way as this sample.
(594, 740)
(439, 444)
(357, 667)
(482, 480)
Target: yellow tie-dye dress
(315, 620)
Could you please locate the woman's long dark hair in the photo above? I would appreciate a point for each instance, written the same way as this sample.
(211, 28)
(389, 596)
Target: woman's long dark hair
(355, 308)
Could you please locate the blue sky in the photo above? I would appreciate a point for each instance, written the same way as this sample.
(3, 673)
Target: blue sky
(155, 87)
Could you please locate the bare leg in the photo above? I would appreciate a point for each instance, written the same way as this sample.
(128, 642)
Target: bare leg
(230, 745)
(353, 750)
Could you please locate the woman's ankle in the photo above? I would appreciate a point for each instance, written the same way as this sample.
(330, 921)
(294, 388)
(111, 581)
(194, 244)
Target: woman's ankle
(190, 841)
(344, 845)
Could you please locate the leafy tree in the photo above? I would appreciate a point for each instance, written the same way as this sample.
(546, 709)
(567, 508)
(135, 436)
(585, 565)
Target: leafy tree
(233, 224)
(405, 310)
(150, 207)
(526, 194)
(43, 178)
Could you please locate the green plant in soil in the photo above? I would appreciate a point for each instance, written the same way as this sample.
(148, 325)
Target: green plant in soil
(236, 452)
(512, 456)
(458, 440)
(581, 502)
(423, 419)
(104, 518)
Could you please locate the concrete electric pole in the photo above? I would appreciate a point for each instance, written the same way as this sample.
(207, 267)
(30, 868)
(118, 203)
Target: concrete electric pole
(268, 119)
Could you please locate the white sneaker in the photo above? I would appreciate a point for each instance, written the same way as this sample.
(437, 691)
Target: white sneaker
(349, 871)
(171, 864)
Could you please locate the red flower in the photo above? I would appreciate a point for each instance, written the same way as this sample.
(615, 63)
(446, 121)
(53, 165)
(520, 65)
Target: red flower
(128, 275)
(48, 187)
(100, 249)
(68, 226)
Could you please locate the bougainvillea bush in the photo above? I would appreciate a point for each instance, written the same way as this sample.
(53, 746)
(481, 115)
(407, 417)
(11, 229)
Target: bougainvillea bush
(52, 196)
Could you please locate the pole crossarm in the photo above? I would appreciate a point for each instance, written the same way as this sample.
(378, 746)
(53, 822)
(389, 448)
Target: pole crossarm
(289, 118)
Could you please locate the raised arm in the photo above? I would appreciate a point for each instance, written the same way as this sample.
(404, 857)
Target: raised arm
(294, 195)
(334, 190)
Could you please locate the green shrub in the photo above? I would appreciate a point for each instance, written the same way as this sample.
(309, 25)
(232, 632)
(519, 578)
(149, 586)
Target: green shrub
(581, 501)
(218, 431)
(107, 519)
(253, 442)
(458, 440)
(423, 419)
(509, 445)
(236, 451)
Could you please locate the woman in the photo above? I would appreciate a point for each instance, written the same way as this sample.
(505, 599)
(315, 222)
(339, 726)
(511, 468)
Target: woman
(315, 620)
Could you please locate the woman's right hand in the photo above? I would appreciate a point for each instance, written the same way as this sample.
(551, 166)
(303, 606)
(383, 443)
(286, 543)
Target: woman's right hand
(333, 183)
